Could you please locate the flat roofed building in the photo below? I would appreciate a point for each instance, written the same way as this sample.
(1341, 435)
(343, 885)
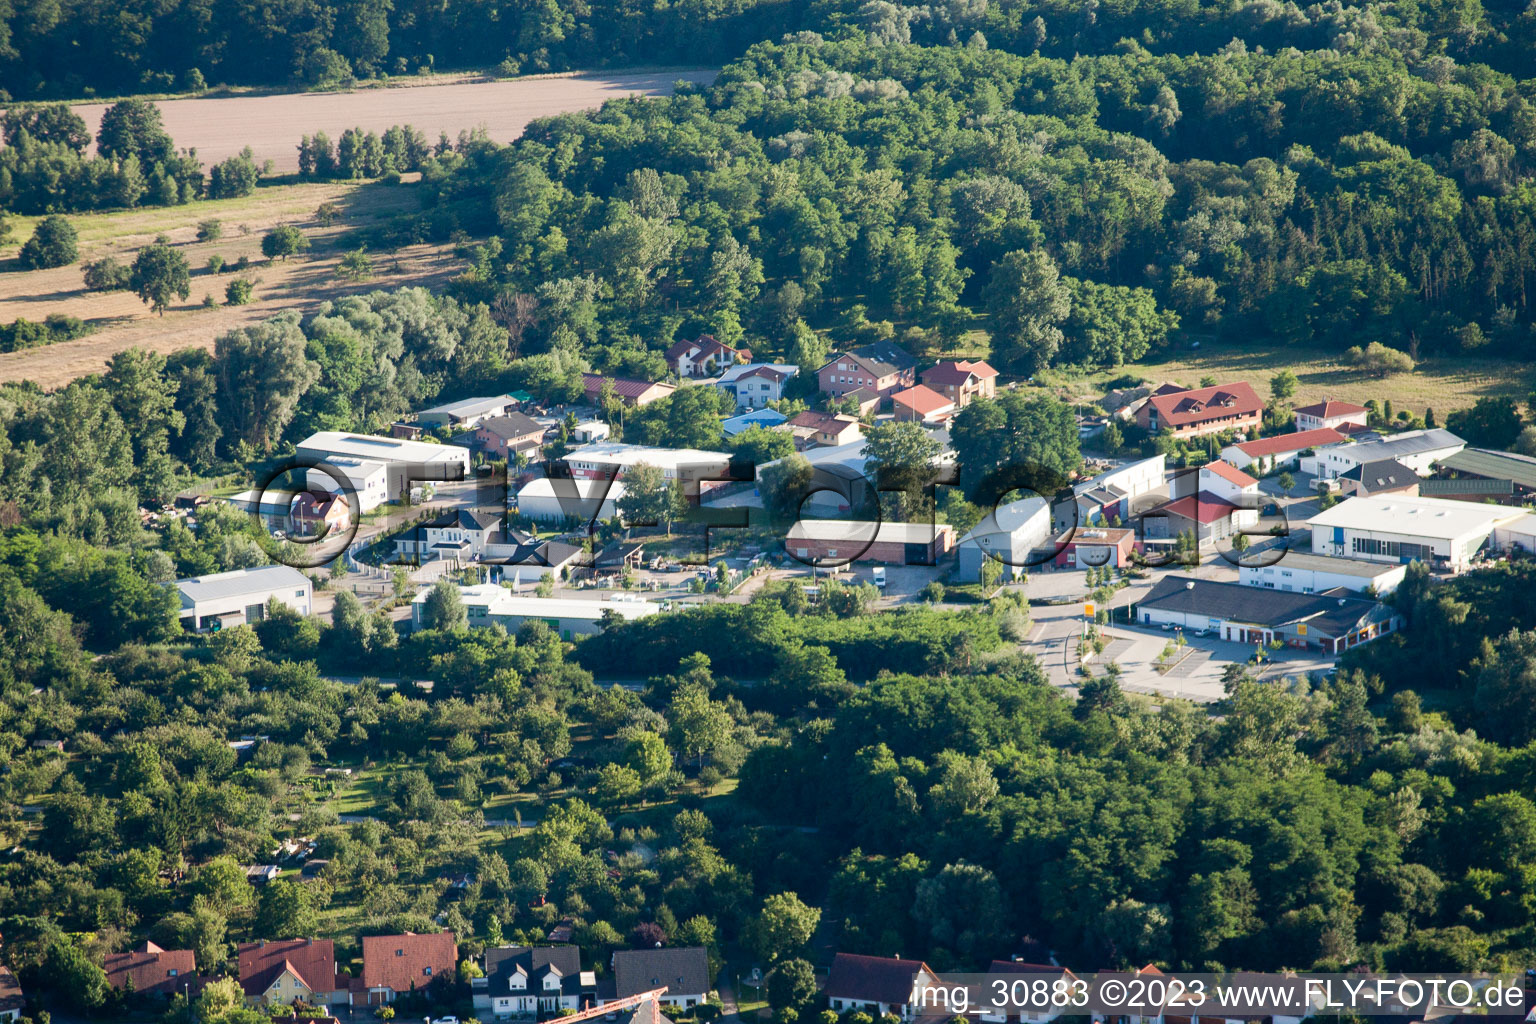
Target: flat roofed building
(842, 540)
(1304, 573)
(1402, 528)
(556, 501)
(490, 604)
(369, 479)
(444, 461)
(612, 459)
(234, 598)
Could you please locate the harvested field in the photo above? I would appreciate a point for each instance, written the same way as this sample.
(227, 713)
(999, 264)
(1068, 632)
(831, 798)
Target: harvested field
(122, 321)
(272, 125)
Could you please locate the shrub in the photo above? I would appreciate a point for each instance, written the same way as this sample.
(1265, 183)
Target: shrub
(53, 244)
(239, 292)
(106, 275)
(210, 230)
(215, 263)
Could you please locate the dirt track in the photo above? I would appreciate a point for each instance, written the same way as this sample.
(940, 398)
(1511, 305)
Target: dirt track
(272, 125)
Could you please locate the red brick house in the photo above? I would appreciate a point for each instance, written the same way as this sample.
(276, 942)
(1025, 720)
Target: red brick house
(884, 367)
(628, 391)
(504, 436)
(148, 969)
(1201, 411)
(704, 356)
(286, 971)
(921, 404)
(961, 380)
(395, 965)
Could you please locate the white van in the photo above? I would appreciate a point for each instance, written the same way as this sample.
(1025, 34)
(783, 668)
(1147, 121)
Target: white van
(879, 574)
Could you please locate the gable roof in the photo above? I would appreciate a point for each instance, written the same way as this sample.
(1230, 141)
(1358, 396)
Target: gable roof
(923, 400)
(404, 962)
(623, 387)
(513, 424)
(469, 519)
(312, 960)
(1385, 475)
(1229, 473)
(1284, 444)
(1412, 442)
(1330, 408)
(882, 357)
(873, 979)
(1204, 508)
(1185, 408)
(1493, 465)
(11, 997)
(684, 970)
(150, 969)
(957, 371)
(1331, 613)
(536, 963)
(813, 419)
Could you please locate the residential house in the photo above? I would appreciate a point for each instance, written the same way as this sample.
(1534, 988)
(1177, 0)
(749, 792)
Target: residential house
(865, 401)
(1009, 533)
(756, 384)
(842, 541)
(961, 380)
(1332, 622)
(465, 414)
(1095, 546)
(1226, 481)
(1387, 476)
(628, 391)
(1419, 450)
(225, 599)
(704, 356)
(1283, 451)
(535, 982)
(562, 499)
(1443, 534)
(320, 515)
(12, 999)
(765, 418)
(824, 428)
(1345, 417)
(1200, 411)
(147, 969)
(396, 965)
(506, 436)
(1022, 1012)
(456, 533)
(921, 404)
(683, 970)
(491, 604)
(884, 367)
(407, 464)
(1305, 573)
(1208, 517)
(288, 971)
(877, 985)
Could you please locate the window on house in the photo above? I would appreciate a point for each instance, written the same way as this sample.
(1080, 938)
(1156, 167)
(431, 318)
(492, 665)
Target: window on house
(426, 970)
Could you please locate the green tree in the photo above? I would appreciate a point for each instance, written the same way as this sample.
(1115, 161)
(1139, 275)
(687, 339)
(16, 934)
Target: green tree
(444, 608)
(1283, 385)
(160, 274)
(233, 177)
(1026, 302)
(106, 275)
(286, 909)
(283, 241)
(53, 244)
(239, 291)
(791, 984)
(649, 498)
(783, 927)
(355, 266)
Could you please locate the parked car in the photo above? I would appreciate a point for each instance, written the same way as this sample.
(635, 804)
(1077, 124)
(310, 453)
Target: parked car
(446, 1020)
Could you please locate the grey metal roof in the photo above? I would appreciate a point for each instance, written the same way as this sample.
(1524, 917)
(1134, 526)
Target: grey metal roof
(1397, 447)
(1333, 615)
(1495, 465)
(241, 581)
(468, 406)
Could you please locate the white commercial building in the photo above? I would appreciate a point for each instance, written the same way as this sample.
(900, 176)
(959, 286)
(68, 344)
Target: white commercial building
(490, 604)
(407, 463)
(612, 459)
(1009, 532)
(555, 501)
(466, 413)
(1517, 534)
(1419, 450)
(227, 599)
(1304, 573)
(1402, 528)
(369, 479)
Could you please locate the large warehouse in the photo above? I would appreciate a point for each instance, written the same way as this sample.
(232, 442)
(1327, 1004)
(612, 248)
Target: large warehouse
(840, 541)
(446, 461)
(1401, 528)
(1333, 622)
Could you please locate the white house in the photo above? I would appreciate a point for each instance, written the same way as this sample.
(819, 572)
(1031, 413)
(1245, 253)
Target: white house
(369, 479)
(1008, 532)
(1334, 415)
(1305, 573)
(226, 599)
(1441, 533)
(1226, 481)
(466, 413)
(555, 501)
(877, 985)
(754, 385)
(406, 463)
(1283, 451)
(461, 533)
(1419, 450)
(491, 604)
(534, 982)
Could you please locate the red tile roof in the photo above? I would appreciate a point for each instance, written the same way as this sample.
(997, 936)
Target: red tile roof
(1205, 508)
(623, 387)
(312, 960)
(1231, 474)
(1282, 444)
(957, 371)
(1331, 408)
(923, 400)
(151, 969)
(1185, 408)
(873, 979)
(404, 962)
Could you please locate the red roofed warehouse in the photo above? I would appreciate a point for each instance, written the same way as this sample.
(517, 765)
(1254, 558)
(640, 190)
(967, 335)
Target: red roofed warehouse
(1282, 451)
(149, 969)
(961, 380)
(629, 392)
(1342, 416)
(876, 984)
(288, 971)
(395, 965)
(1203, 410)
